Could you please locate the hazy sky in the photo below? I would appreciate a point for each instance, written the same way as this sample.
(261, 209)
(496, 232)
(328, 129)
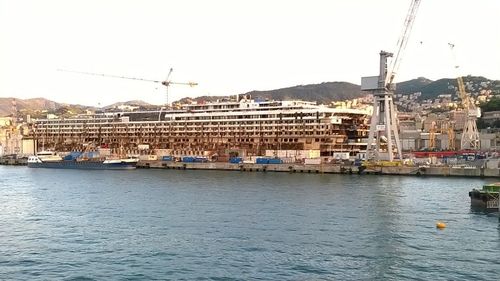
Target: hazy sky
(231, 46)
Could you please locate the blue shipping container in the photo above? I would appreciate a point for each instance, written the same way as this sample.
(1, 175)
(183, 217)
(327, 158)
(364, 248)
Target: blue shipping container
(235, 160)
(200, 159)
(188, 159)
(72, 156)
(275, 161)
(262, 161)
(167, 158)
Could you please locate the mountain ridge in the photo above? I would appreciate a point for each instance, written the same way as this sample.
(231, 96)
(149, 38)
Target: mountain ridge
(325, 92)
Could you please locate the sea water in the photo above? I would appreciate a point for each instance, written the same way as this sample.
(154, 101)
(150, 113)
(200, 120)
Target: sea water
(218, 225)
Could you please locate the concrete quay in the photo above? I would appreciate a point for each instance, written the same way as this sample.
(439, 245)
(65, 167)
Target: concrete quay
(14, 161)
(327, 169)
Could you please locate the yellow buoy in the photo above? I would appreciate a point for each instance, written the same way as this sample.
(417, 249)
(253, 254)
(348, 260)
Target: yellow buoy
(440, 225)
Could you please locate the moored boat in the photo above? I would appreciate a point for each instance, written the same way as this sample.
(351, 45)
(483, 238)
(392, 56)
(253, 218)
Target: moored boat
(486, 198)
(76, 160)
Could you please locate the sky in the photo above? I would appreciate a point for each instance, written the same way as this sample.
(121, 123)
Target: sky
(231, 46)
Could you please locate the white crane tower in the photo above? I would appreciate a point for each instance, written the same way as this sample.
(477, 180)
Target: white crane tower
(383, 126)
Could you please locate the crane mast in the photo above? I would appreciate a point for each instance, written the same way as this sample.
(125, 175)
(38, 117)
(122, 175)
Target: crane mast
(403, 40)
(470, 134)
(383, 126)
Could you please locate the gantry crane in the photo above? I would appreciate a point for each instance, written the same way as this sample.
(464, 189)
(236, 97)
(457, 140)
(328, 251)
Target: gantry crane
(167, 82)
(470, 134)
(383, 126)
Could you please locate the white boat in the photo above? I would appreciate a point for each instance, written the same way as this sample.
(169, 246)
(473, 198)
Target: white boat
(44, 157)
(77, 160)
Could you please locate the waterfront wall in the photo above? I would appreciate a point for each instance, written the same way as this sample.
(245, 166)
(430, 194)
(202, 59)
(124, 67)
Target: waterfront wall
(327, 168)
(443, 171)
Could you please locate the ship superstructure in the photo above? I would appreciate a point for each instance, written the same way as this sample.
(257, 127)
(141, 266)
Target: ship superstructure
(247, 124)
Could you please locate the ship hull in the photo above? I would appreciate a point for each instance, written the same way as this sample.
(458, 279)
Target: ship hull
(84, 165)
(484, 200)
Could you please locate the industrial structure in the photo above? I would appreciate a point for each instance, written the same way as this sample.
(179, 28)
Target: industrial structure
(470, 135)
(383, 125)
(243, 127)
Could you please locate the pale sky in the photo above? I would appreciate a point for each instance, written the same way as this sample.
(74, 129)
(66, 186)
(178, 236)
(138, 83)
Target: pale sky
(231, 46)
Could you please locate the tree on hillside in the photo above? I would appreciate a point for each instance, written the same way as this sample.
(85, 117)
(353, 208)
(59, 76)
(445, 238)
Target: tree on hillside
(492, 105)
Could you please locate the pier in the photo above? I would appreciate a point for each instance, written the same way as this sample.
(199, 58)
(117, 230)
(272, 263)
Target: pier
(323, 168)
(13, 161)
(442, 171)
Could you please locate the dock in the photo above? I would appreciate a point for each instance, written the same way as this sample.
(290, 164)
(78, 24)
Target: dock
(442, 171)
(439, 171)
(13, 161)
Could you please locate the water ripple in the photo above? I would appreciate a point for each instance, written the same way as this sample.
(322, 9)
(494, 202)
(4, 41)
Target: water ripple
(205, 225)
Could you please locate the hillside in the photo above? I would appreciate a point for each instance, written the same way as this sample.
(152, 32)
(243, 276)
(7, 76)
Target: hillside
(412, 86)
(431, 89)
(322, 93)
(38, 107)
(335, 91)
(26, 105)
(139, 103)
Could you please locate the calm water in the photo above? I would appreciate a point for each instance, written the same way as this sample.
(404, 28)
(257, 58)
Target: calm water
(212, 225)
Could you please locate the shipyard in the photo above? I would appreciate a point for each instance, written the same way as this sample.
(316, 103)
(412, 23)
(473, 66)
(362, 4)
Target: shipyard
(365, 135)
(294, 135)
(249, 140)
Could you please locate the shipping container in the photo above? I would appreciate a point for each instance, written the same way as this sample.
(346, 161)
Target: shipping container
(167, 158)
(262, 161)
(148, 157)
(200, 159)
(274, 161)
(72, 156)
(235, 160)
(288, 160)
(312, 161)
(188, 159)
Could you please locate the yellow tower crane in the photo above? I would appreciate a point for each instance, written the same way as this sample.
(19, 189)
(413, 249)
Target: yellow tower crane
(470, 134)
(432, 136)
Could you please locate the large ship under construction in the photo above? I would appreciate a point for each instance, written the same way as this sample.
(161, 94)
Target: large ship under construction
(248, 126)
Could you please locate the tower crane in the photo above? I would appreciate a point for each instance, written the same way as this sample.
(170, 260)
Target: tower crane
(451, 135)
(383, 126)
(167, 82)
(402, 42)
(470, 134)
(432, 136)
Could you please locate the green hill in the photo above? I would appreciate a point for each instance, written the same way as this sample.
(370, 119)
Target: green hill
(322, 93)
(431, 89)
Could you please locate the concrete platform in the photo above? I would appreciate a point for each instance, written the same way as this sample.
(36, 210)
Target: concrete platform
(326, 168)
(14, 162)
